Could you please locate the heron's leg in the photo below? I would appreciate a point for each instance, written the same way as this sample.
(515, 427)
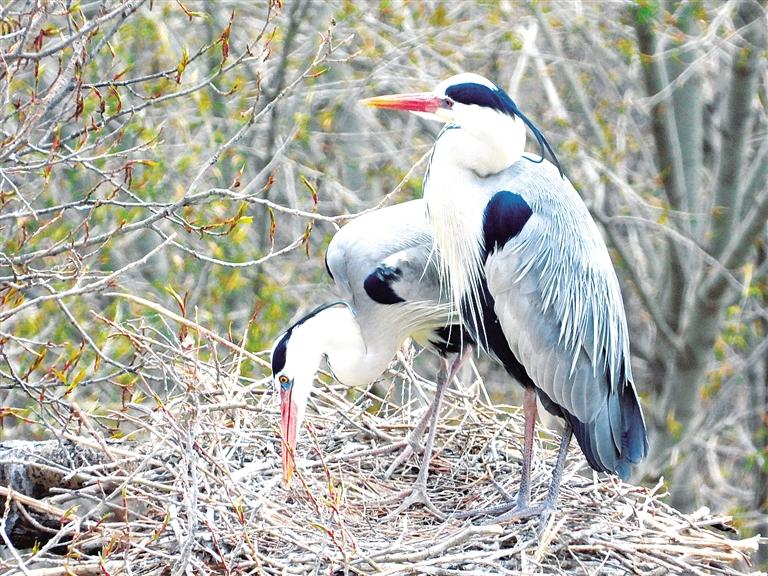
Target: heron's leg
(418, 492)
(550, 502)
(523, 499)
(458, 362)
(443, 378)
(529, 409)
(413, 443)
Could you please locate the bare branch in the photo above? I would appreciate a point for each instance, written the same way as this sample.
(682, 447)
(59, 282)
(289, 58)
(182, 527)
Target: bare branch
(586, 111)
(669, 156)
(737, 123)
(92, 287)
(127, 6)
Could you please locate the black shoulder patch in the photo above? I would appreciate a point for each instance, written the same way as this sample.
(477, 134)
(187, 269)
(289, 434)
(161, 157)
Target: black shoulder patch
(504, 218)
(378, 284)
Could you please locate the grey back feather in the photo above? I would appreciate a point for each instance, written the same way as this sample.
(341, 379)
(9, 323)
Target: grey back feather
(558, 299)
(398, 236)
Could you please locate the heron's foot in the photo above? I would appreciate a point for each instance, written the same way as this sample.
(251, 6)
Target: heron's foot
(409, 447)
(416, 494)
(522, 496)
(522, 502)
(520, 513)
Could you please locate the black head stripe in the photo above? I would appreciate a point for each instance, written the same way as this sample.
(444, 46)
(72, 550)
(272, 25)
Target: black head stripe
(543, 144)
(315, 312)
(278, 356)
(480, 95)
(497, 99)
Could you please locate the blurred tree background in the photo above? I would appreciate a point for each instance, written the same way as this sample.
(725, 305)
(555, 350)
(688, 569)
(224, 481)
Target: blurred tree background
(200, 156)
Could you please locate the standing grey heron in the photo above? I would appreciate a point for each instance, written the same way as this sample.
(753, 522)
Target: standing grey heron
(531, 276)
(382, 264)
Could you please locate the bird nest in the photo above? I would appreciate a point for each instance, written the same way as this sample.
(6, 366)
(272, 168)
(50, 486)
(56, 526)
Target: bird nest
(196, 488)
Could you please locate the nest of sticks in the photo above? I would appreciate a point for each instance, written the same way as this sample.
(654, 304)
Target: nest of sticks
(196, 488)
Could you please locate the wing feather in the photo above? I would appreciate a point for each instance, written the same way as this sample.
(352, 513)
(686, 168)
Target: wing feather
(394, 239)
(361, 245)
(558, 300)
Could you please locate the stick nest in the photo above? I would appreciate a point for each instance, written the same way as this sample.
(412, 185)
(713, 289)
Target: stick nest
(197, 489)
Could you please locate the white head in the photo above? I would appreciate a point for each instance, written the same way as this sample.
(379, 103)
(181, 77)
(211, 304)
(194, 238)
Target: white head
(331, 331)
(484, 112)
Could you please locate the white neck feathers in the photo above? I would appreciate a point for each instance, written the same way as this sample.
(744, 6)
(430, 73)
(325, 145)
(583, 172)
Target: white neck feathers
(355, 359)
(456, 193)
(486, 141)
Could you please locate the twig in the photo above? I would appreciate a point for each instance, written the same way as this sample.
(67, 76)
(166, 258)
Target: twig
(188, 323)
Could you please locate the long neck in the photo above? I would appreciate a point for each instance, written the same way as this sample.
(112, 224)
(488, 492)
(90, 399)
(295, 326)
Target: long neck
(355, 359)
(482, 140)
(456, 196)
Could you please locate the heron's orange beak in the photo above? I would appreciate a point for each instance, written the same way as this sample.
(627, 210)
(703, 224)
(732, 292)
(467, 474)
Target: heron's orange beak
(418, 102)
(288, 417)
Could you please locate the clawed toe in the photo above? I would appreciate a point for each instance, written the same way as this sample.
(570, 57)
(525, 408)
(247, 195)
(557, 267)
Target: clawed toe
(519, 503)
(518, 513)
(417, 494)
(410, 448)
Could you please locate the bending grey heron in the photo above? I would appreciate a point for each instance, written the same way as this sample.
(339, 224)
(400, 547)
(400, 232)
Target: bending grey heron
(381, 263)
(535, 283)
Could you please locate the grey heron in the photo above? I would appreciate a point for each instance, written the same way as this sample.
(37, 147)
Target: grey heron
(531, 276)
(382, 264)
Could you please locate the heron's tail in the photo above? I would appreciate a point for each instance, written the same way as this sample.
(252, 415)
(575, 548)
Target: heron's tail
(616, 439)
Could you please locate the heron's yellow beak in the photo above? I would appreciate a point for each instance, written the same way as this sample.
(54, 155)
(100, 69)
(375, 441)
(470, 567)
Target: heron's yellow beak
(288, 417)
(417, 102)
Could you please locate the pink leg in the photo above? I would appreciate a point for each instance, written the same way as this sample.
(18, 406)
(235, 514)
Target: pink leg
(529, 410)
(412, 440)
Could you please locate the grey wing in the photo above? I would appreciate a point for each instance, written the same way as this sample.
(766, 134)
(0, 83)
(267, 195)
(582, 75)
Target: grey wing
(336, 259)
(416, 277)
(553, 313)
(384, 265)
(363, 244)
(409, 279)
(558, 301)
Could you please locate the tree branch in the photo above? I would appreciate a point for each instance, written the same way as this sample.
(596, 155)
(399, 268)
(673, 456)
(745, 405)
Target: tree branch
(129, 6)
(754, 182)
(668, 154)
(688, 106)
(92, 287)
(585, 108)
(737, 123)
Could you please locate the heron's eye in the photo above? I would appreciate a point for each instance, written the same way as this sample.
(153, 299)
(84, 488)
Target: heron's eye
(283, 379)
(446, 103)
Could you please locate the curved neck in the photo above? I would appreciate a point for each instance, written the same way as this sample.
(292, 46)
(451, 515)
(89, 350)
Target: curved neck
(336, 334)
